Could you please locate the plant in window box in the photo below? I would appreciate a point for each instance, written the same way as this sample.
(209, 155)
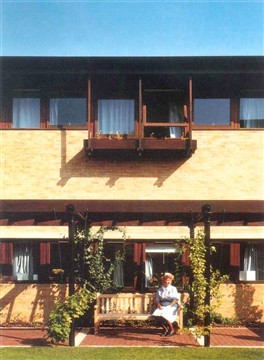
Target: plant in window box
(154, 281)
(118, 135)
(99, 135)
(57, 275)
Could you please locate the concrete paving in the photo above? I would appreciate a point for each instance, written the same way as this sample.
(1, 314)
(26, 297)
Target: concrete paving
(114, 337)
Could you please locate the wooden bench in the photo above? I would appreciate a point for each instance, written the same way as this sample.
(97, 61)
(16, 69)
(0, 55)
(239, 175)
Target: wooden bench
(126, 306)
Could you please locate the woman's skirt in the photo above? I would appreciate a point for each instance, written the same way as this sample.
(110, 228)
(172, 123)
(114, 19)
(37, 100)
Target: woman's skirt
(169, 313)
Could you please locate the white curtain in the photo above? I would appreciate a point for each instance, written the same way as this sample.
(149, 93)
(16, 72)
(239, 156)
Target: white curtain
(175, 116)
(26, 113)
(252, 112)
(251, 259)
(148, 269)
(54, 111)
(116, 116)
(254, 260)
(119, 273)
(23, 264)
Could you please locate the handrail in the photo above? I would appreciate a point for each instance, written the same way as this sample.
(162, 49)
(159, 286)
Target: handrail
(165, 124)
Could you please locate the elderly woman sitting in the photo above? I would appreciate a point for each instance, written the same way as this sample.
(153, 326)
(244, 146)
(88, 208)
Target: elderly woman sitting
(167, 304)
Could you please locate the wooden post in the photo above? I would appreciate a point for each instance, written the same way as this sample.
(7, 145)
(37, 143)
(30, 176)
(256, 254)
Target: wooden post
(71, 230)
(140, 133)
(89, 105)
(206, 210)
(192, 234)
(140, 130)
(190, 107)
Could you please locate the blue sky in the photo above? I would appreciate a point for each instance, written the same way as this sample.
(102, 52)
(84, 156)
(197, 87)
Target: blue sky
(132, 28)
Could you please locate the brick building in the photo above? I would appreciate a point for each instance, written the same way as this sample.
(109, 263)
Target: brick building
(137, 142)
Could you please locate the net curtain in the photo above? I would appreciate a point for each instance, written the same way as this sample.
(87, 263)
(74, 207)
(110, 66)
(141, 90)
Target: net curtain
(252, 112)
(23, 262)
(254, 260)
(175, 116)
(26, 113)
(116, 116)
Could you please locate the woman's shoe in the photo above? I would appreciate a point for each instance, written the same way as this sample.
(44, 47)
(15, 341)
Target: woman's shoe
(165, 333)
(172, 333)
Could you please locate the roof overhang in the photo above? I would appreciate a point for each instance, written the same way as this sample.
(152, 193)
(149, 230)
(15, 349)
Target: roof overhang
(133, 206)
(189, 65)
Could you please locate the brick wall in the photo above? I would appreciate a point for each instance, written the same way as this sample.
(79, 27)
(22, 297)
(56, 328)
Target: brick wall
(51, 164)
(243, 301)
(29, 303)
(33, 303)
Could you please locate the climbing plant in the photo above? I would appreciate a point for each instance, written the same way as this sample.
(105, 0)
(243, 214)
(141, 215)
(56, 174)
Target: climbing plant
(199, 282)
(92, 267)
(93, 273)
(61, 318)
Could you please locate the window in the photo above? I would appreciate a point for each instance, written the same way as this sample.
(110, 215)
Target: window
(160, 258)
(239, 261)
(253, 262)
(116, 116)
(252, 112)
(212, 112)
(32, 261)
(24, 266)
(163, 107)
(123, 274)
(68, 111)
(26, 113)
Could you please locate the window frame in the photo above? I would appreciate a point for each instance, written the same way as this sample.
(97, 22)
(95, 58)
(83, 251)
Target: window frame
(233, 116)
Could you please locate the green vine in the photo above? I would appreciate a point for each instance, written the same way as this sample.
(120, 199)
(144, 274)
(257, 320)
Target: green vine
(93, 273)
(61, 318)
(199, 283)
(92, 267)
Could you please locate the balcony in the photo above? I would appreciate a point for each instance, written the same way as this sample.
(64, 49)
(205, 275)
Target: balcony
(152, 145)
(158, 123)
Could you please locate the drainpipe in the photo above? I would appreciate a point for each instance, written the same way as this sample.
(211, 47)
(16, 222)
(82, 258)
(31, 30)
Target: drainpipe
(71, 231)
(206, 210)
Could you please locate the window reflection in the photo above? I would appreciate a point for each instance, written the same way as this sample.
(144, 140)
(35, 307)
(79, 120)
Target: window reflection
(212, 112)
(68, 111)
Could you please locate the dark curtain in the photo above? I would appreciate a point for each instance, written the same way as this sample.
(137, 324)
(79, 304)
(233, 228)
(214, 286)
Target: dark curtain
(6, 253)
(235, 254)
(44, 253)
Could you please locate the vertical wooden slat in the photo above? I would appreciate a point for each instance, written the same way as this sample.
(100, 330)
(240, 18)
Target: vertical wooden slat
(235, 113)
(185, 115)
(144, 114)
(44, 118)
(140, 127)
(89, 105)
(190, 107)
(131, 304)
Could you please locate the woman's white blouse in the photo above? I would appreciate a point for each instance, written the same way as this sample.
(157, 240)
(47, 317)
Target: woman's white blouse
(167, 294)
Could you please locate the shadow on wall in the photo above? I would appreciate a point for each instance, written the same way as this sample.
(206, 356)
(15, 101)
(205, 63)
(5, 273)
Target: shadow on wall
(46, 298)
(116, 167)
(36, 307)
(243, 301)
